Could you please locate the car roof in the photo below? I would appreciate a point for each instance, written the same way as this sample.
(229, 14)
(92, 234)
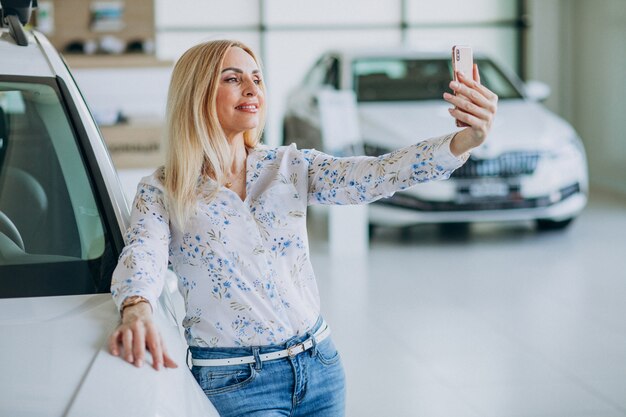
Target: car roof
(27, 60)
(397, 52)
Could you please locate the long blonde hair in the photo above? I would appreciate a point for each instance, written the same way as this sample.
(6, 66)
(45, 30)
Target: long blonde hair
(196, 144)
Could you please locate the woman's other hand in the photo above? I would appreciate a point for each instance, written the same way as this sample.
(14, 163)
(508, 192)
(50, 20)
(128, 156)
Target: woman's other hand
(136, 333)
(475, 105)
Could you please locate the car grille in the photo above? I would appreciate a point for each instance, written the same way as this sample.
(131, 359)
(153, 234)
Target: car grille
(511, 202)
(511, 164)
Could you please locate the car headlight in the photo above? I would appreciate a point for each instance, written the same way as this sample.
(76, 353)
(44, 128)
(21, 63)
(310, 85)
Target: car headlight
(569, 148)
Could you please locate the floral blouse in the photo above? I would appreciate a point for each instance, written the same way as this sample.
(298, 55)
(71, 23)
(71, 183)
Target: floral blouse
(244, 268)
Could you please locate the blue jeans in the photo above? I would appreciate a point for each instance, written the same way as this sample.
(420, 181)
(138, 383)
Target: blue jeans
(309, 384)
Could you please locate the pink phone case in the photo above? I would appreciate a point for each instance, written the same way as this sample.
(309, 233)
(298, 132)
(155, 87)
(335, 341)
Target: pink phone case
(463, 62)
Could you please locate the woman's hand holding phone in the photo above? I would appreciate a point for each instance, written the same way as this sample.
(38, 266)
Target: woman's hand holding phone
(475, 106)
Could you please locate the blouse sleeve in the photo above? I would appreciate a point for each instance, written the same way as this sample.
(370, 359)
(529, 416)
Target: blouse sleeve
(143, 262)
(363, 179)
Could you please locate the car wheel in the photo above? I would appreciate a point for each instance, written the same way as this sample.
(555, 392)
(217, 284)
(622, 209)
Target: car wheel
(547, 224)
(371, 229)
(454, 229)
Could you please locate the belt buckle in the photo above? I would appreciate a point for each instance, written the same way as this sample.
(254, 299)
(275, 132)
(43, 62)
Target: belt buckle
(290, 349)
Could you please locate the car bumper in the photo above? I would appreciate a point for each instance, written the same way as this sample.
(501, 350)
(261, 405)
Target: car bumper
(403, 210)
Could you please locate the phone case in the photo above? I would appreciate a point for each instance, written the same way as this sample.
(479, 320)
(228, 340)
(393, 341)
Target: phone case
(463, 62)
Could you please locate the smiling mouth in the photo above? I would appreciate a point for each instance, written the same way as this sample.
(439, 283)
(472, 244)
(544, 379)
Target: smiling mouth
(253, 108)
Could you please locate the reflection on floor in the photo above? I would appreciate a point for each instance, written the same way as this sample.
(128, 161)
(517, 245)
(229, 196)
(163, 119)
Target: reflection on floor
(502, 321)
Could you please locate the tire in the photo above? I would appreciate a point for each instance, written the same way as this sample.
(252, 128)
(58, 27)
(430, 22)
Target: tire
(454, 229)
(371, 230)
(547, 224)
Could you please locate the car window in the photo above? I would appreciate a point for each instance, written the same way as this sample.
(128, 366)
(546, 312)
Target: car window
(331, 77)
(324, 73)
(316, 75)
(399, 79)
(52, 237)
(496, 81)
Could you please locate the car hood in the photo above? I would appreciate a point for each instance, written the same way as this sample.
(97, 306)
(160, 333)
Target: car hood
(55, 363)
(519, 125)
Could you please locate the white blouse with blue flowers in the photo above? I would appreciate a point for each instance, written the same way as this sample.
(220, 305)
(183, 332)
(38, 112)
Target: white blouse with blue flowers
(243, 266)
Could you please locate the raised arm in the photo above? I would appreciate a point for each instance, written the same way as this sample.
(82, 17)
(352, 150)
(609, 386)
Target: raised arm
(362, 179)
(365, 179)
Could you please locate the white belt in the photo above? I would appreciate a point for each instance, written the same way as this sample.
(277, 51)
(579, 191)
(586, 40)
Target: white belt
(290, 352)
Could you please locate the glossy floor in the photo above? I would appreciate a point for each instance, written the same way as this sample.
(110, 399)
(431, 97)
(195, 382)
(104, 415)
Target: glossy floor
(500, 322)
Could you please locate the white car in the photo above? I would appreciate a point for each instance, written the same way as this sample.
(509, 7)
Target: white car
(532, 167)
(62, 217)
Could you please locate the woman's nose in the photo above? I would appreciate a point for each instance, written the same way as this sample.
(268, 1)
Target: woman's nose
(251, 89)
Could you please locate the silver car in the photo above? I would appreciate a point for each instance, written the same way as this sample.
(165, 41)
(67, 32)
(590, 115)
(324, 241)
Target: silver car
(62, 218)
(532, 167)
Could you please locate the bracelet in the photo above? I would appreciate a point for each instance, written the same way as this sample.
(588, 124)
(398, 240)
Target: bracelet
(132, 301)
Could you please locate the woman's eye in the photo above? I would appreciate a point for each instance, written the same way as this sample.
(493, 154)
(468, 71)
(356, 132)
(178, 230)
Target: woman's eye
(257, 82)
(231, 79)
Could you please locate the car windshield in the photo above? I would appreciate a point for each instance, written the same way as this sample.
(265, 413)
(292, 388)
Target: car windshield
(52, 236)
(400, 79)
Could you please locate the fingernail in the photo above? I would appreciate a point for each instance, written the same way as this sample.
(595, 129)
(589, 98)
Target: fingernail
(454, 84)
(129, 358)
(139, 363)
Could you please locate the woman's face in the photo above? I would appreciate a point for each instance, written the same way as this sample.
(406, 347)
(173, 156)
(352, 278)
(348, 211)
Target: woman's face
(240, 99)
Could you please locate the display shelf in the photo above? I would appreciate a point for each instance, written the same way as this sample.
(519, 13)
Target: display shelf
(137, 144)
(114, 61)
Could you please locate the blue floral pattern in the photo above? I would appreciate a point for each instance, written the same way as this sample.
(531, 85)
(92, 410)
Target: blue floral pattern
(243, 266)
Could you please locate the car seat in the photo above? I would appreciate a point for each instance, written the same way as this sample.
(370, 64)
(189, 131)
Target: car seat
(4, 131)
(7, 227)
(24, 201)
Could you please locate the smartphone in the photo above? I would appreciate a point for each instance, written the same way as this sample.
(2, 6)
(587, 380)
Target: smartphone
(463, 62)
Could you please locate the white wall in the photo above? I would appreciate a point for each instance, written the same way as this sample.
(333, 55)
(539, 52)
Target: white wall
(579, 48)
(546, 50)
(599, 62)
(461, 11)
(138, 92)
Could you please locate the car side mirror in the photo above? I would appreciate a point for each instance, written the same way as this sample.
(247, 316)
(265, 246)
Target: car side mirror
(14, 14)
(537, 90)
(19, 8)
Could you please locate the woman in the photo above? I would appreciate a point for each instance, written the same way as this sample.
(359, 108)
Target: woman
(229, 215)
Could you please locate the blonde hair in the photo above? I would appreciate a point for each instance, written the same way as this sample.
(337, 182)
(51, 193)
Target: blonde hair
(196, 144)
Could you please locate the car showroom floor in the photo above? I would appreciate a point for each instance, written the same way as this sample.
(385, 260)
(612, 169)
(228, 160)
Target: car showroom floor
(502, 321)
